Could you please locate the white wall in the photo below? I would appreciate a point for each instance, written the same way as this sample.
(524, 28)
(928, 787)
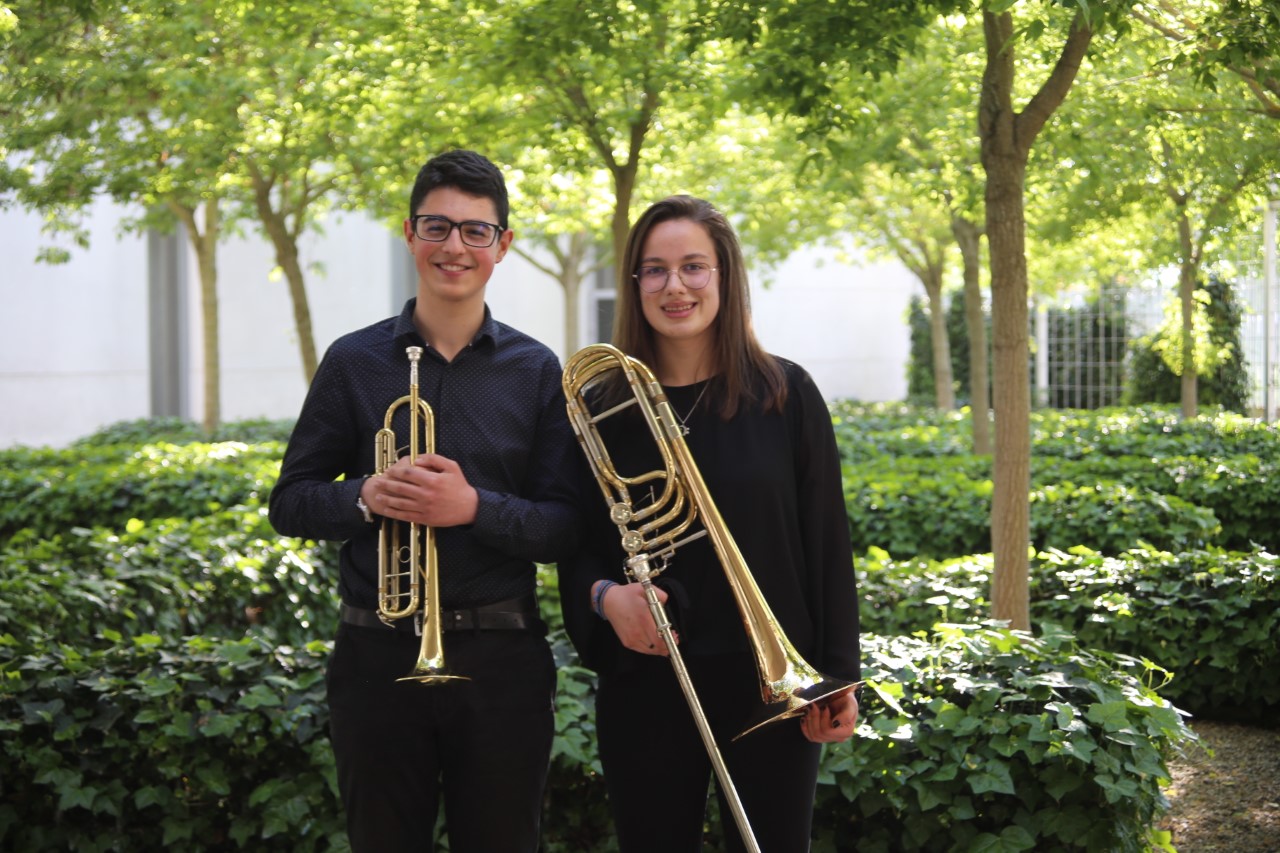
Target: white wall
(73, 337)
(348, 280)
(846, 324)
(74, 348)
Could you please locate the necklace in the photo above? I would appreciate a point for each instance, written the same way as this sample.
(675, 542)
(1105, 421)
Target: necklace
(684, 430)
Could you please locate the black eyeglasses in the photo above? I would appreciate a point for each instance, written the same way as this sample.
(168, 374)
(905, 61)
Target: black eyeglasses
(694, 276)
(436, 229)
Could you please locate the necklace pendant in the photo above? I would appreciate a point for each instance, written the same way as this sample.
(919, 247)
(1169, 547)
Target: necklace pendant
(684, 430)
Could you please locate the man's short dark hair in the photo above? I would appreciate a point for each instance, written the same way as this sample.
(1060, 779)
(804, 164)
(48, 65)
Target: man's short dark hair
(467, 172)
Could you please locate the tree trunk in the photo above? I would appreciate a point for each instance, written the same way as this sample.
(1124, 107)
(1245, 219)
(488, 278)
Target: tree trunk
(1011, 390)
(944, 390)
(1006, 138)
(968, 237)
(624, 181)
(1187, 270)
(579, 243)
(205, 245)
(286, 246)
(570, 271)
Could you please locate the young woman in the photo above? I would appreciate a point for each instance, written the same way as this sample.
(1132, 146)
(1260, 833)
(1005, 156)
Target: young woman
(761, 436)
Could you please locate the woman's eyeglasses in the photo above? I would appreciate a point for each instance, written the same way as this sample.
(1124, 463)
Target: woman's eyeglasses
(653, 279)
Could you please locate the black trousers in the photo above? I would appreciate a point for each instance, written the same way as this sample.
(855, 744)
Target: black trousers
(657, 770)
(482, 746)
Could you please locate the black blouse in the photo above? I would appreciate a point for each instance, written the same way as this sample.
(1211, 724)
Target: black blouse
(775, 478)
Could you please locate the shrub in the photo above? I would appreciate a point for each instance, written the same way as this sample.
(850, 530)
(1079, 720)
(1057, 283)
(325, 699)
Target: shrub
(1223, 380)
(168, 430)
(1110, 518)
(1150, 431)
(937, 513)
(1209, 617)
(219, 575)
(944, 510)
(110, 485)
(902, 597)
(983, 739)
(206, 745)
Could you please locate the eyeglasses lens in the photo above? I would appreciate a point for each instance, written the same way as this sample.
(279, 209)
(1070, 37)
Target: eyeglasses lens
(436, 229)
(694, 277)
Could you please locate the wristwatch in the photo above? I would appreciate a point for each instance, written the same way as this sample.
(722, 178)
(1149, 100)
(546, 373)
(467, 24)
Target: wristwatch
(364, 507)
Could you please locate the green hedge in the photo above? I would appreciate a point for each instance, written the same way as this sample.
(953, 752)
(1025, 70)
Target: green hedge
(948, 513)
(180, 431)
(1109, 480)
(219, 575)
(108, 486)
(868, 432)
(220, 744)
(981, 739)
(162, 650)
(1208, 617)
(150, 744)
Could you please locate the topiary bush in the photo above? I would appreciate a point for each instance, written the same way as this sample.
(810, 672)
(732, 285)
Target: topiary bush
(983, 739)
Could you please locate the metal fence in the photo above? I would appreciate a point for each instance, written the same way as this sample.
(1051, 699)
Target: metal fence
(1082, 342)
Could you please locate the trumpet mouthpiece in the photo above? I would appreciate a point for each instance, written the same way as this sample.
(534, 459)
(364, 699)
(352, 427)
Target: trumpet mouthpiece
(414, 353)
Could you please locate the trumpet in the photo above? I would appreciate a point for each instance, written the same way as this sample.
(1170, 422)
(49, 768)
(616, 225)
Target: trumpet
(651, 535)
(408, 573)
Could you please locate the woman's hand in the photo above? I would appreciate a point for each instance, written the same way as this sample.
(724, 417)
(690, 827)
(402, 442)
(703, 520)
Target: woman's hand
(831, 720)
(627, 610)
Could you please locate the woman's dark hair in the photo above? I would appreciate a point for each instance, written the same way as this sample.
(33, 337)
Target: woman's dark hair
(744, 371)
(467, 172)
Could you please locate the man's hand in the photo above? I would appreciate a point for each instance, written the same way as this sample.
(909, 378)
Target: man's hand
(431, 490)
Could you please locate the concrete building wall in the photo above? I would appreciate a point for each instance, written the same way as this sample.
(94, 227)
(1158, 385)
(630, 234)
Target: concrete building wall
(75, 350)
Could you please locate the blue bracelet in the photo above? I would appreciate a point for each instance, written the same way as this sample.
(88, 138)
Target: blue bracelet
(597, 601)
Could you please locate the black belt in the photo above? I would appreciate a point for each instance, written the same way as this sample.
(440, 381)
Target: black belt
(514, 614)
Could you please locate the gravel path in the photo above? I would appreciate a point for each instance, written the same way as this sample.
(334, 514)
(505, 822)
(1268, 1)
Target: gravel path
(1227, 801)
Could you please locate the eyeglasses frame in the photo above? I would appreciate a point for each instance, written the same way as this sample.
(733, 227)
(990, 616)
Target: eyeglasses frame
(413, 225)
(667, 278)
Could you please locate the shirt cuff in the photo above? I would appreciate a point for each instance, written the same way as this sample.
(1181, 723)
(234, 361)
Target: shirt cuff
(487, 512)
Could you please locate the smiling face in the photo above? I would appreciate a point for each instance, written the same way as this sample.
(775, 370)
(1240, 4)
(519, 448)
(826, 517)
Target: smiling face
(679, 314)
(452, 271)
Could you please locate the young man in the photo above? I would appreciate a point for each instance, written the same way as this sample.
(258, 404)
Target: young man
(493, 493)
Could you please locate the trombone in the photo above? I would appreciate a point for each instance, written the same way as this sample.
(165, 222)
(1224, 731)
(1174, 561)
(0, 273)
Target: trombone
(407, 566)
(652, 534)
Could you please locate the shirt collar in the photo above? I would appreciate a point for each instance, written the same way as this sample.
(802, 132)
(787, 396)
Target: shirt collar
(406, 330)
